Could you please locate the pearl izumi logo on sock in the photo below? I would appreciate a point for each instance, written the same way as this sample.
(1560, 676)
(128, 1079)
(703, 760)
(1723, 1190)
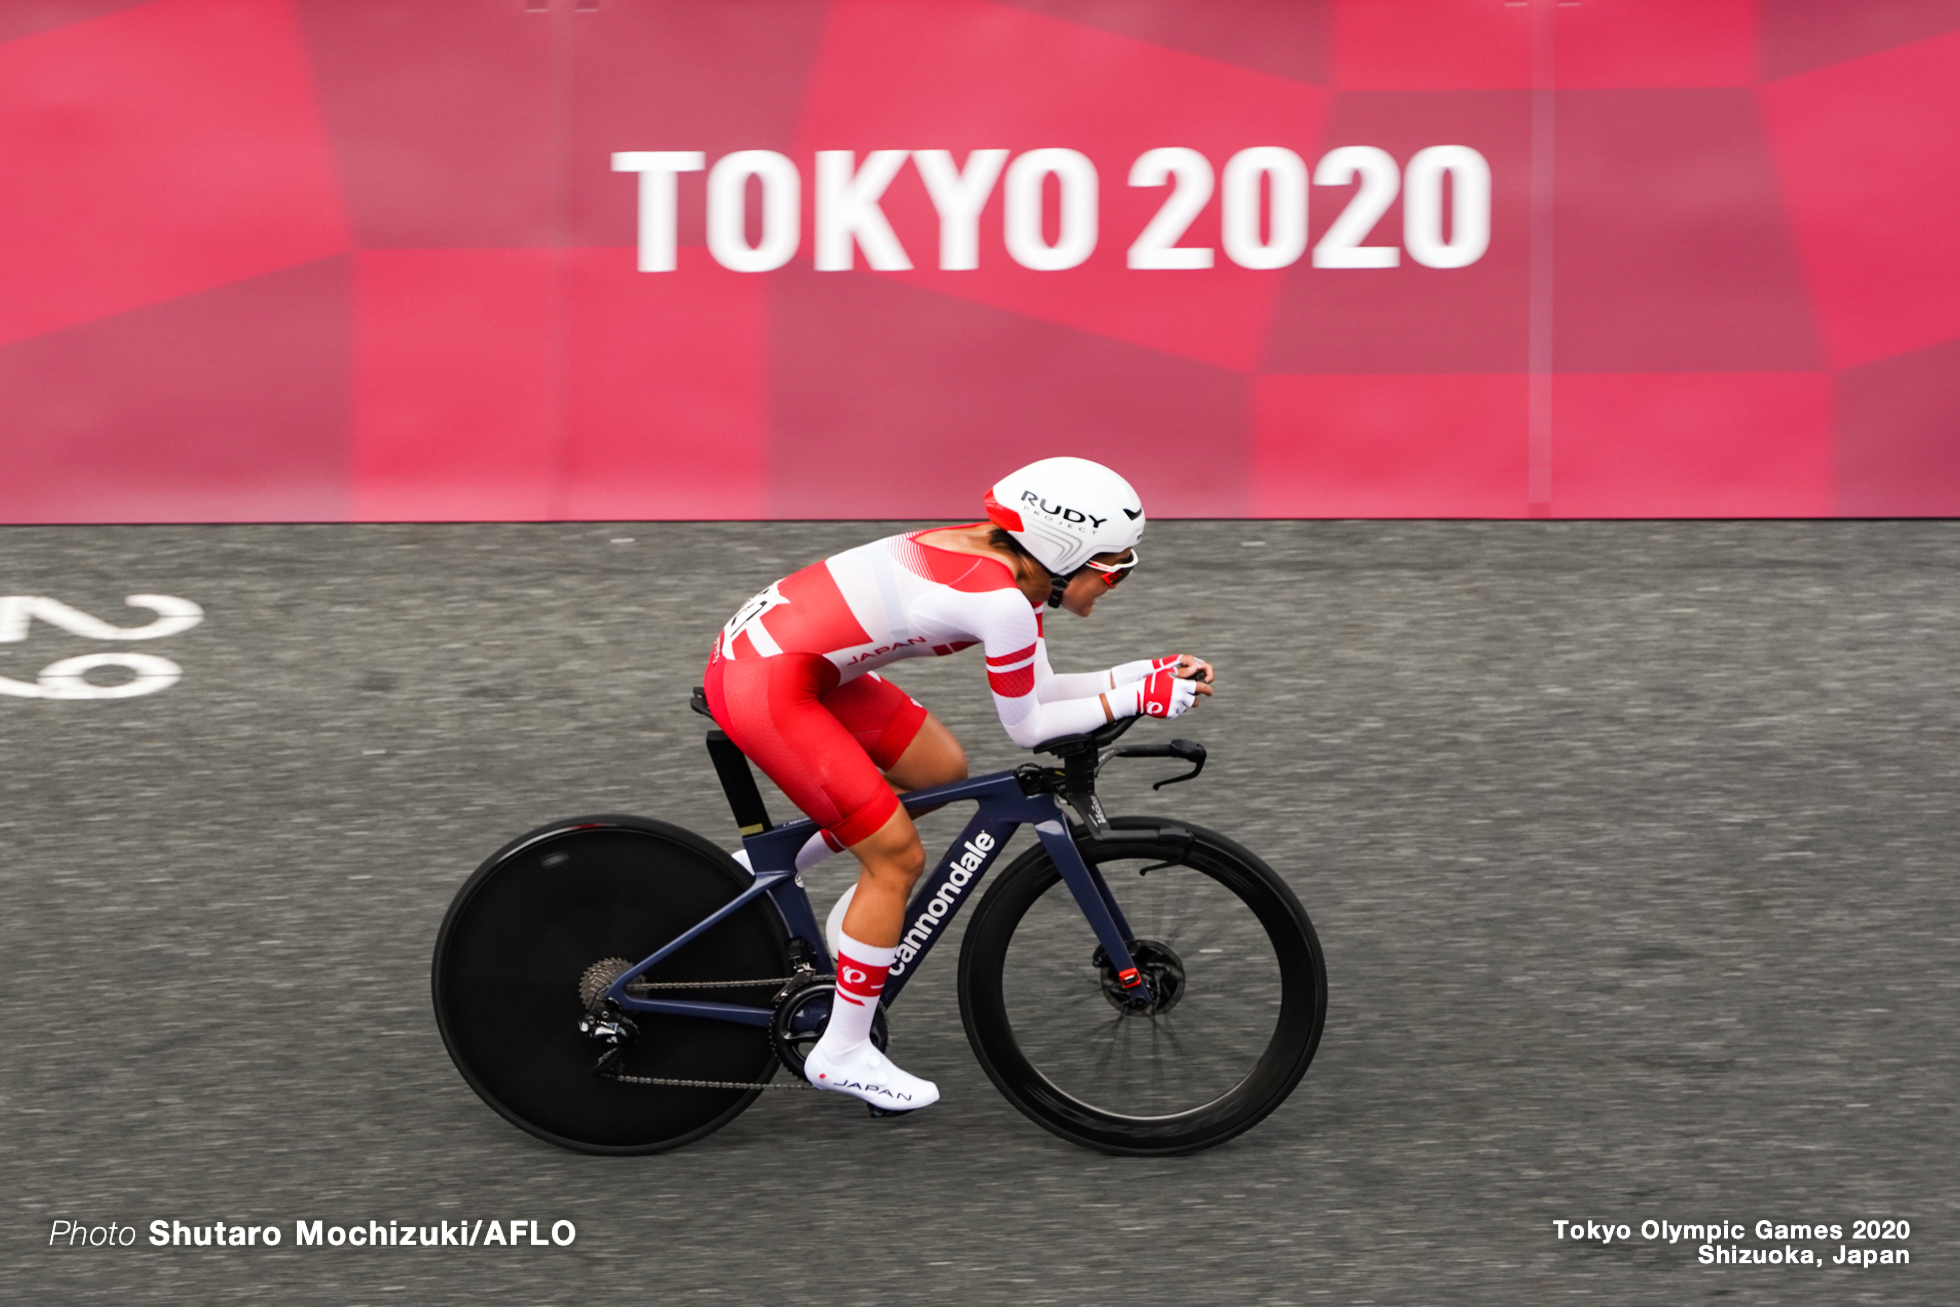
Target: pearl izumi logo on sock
(859, 982)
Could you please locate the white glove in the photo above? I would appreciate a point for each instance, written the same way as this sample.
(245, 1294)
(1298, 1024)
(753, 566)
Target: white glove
(1161, 694)
(1124, 673)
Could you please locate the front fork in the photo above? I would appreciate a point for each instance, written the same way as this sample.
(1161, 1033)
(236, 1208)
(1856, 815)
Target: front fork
(1092, 895)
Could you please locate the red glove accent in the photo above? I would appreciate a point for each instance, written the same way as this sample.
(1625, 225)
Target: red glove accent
(1163, 694)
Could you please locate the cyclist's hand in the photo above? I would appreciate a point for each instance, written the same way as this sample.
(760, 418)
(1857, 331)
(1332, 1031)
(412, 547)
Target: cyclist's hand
(1188, 667)
(1165, 694)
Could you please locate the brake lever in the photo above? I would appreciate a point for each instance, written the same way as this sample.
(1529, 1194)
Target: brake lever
(1185, 750)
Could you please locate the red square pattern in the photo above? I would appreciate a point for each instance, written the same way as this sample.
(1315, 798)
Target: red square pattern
(1379, 445)
(1701, 444)
(1898, 435)
(1410, 318)
(963, 75)
(712, 77)
(1287, 37)
(1633, 43)
(26, 17)
(1431, 45)
(1799, 35)
(1869, 153)
(459, 354)
(229, 405)
(442, 119)
(1672, 245)
(172, 148)
(1443, 45)
(453, 417)
(893, 401)
(668, 393)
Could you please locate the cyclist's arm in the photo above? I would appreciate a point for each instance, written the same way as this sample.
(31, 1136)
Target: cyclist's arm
(1009, 634)
(1050, 685)
(1029, 721)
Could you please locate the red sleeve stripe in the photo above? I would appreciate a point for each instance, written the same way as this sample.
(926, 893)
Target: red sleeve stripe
(1003, 660)
(1012, 685)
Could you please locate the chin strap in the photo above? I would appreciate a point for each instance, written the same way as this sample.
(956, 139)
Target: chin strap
(1056, 584)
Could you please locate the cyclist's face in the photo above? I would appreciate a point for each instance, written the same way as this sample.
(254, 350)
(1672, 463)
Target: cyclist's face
(1089, 585)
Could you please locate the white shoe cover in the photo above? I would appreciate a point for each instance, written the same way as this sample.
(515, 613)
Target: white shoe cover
(863, 1072)
(833, 926)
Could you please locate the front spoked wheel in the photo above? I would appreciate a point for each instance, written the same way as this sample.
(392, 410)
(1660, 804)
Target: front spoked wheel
(1239, 994)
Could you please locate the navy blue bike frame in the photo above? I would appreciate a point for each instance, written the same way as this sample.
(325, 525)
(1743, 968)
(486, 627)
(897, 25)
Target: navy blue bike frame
(1003, 807)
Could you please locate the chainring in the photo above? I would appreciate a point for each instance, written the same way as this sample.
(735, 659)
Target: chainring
(802, 1012)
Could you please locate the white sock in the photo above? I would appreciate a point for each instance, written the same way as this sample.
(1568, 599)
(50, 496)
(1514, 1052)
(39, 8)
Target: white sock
(861, 970)
(818, 847)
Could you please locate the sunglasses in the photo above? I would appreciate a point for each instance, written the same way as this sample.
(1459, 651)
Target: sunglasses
(1115, 572)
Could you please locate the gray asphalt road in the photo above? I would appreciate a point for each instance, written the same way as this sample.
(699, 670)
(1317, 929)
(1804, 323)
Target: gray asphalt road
(1631, 846)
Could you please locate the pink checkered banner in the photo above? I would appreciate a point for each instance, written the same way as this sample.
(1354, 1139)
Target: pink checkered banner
(328, 260)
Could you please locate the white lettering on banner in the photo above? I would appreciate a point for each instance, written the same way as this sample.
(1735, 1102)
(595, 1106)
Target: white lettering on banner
(1026, 237)
(959, 195)
(1341, 247)
(848, 214)
(1422, 207)
(1239, 213)
(728, 201)
(658, 203)
(1262, 213)
(1156, 246)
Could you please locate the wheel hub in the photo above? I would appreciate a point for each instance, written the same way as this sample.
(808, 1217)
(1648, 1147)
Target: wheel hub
(1163, 972)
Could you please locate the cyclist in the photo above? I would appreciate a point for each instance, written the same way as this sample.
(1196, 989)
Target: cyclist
(791, 680)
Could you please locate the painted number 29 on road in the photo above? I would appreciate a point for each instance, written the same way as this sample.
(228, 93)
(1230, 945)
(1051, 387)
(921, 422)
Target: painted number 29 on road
(68, 678)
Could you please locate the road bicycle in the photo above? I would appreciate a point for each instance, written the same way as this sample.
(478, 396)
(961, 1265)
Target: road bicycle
(1139, 985)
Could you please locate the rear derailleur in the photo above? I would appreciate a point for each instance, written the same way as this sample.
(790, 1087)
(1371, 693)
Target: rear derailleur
(603, 1021)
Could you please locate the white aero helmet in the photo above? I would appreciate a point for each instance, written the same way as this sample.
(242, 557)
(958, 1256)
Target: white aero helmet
(1065, 511)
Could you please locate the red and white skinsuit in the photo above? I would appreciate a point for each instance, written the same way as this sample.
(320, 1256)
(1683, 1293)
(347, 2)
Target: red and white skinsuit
(791, 679)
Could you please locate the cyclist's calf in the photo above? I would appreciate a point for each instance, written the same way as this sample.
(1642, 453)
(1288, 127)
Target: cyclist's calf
(893, 859)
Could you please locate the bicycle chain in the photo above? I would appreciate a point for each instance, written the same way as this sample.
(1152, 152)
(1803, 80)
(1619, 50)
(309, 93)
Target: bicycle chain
(636, 985)
(661, 1082)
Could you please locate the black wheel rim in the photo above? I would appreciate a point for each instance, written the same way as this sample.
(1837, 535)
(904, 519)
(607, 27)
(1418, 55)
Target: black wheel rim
(1133, 1063)
(1061, 1071)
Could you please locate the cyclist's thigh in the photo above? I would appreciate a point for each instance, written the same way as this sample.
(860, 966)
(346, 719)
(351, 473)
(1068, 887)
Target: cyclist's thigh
(773, 709)
(882, 718)
(934, 757)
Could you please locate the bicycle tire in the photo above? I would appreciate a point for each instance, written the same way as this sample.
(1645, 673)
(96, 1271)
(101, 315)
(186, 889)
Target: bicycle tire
(1036, 996)
(523, 928)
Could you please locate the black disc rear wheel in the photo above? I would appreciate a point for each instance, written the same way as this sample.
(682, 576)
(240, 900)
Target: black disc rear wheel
(1239, 993)
(530, 923)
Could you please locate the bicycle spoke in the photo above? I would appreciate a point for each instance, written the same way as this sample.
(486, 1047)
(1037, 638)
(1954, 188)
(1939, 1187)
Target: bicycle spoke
(1186, 1057)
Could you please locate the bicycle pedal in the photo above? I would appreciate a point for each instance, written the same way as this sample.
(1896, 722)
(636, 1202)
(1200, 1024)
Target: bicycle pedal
(889, 1111)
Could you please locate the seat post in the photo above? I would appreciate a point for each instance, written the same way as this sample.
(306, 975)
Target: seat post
(738, 783)
(737, 780)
